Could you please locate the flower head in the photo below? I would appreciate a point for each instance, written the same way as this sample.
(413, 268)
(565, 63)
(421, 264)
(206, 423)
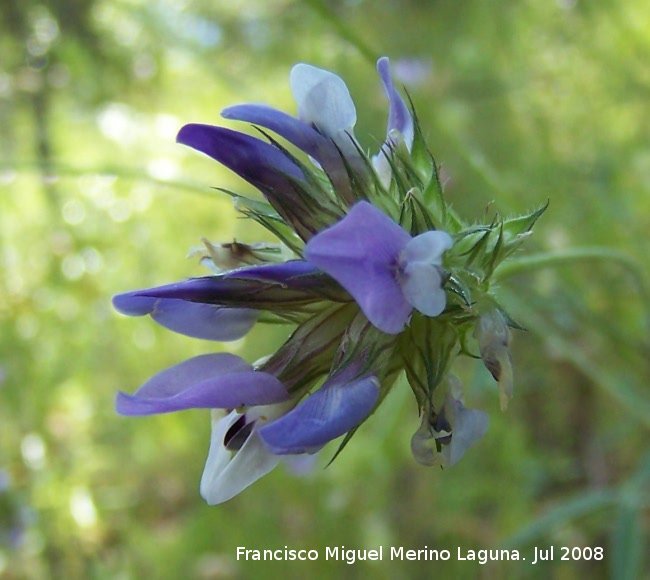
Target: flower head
(371, 269)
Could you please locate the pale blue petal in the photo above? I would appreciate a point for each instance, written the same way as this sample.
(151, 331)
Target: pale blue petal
(427, 247)
(323, 100)
(422, 288)
(469, 425)
(421, 275)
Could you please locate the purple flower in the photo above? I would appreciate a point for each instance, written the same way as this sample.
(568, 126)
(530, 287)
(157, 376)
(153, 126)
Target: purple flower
(247, 445)
(362, 249)
(385, 270)
(324, 130)
(246, 442)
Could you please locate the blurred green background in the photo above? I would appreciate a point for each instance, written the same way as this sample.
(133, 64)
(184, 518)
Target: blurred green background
(520, 101)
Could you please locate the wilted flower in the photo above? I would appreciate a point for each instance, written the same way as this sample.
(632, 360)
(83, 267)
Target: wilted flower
(373, 270)
(493, 337)
(444, 436)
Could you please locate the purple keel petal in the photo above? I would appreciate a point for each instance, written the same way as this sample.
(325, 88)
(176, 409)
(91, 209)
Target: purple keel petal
(262, 165)
(266, 167)
(399, 120)
(204, 321)
(207, 381)
(327, 414)
(361, 253)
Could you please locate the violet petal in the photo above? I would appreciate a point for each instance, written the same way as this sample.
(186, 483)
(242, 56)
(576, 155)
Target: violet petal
(253, 159)
(207, 381)
(262, 165)
(327, 414)
(361, 253)
(321, 148)
(302, 135)
(203, 321)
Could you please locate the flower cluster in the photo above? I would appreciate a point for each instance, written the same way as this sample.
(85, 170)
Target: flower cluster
(377, 275)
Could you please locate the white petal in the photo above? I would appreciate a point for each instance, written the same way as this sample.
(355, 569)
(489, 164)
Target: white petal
(225, 475)
(323, 99)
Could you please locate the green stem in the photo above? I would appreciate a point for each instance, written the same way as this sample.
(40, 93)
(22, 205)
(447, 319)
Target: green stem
(552, 259)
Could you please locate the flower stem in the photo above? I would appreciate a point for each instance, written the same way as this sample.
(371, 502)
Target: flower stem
(552, 259)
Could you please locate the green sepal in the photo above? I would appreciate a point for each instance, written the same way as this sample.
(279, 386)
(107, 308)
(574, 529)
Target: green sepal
(415, 217)
(514, 227)
(264, 214)
(423, 161)
(306, 357)
(427, 349)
